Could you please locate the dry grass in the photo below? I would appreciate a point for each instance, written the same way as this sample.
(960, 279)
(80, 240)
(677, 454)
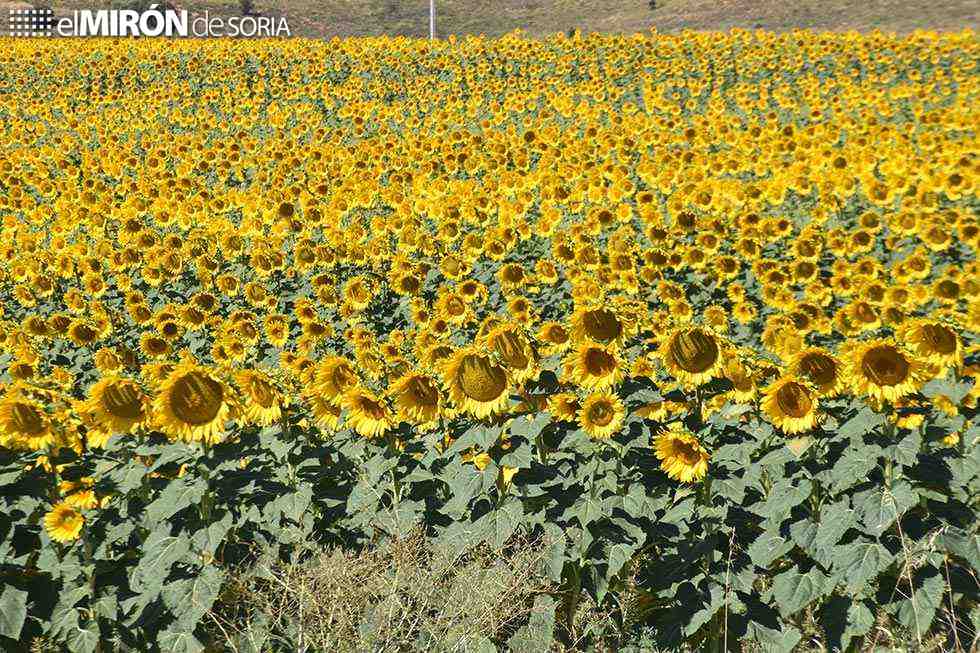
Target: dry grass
(405, 595)
(327, 18)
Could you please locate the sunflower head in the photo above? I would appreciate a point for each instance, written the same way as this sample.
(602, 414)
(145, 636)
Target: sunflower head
(693, 355)
(193, 404)
(417, 399)
(599, 325)
(513, 350)
(477, 385)
(790, 405)
(262, 402)
(821, 369)
(934, 342)
(367, 414)
(63, 522)
(681, 455)
(334, 377)
(881, 369)
(24, 424)
(601, 415)
(118, 404)
(594, 366)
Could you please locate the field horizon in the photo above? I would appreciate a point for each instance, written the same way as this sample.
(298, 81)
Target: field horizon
(343, 18)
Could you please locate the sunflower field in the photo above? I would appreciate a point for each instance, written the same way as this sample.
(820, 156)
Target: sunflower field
(704, 307)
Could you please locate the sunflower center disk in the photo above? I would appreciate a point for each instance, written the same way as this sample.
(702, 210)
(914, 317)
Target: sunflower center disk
(602, 326)
(885, 366)
(793, 400)
(196, 399)
(599, 363)
(480, 379)
(601, 414)
(694, 352)
(123, 400)
(819, 369)
(686, 452)
(27, 419)
(939, 339)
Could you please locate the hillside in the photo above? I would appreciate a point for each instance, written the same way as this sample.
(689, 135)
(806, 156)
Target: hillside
(327, 18)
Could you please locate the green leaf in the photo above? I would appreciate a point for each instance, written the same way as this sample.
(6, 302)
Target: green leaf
(883, 506)
(179, 641)
(586, 509)
(905, 450)
(772, 640)
(177, 495)
(498, 525)
(865, 421)
(949, 387)
(835, 519)
(295, 504)
(858, 563)
(766, 548)
(963, 545)
(798, 446)
(793, 591)
(851, 468)
(781, 500)
(207, 540)
(463, 486)
(918, 610)
(860, 619)
(530, 426)
(190, 598)
(84, 639)
(518, 457)
(13, 611)
(555, 558)
(479, 436)
(619, 555)
(538, 633)
(160, 551)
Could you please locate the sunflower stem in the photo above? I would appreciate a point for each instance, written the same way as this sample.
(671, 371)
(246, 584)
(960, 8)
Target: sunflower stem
(206, 473)
(92, 587)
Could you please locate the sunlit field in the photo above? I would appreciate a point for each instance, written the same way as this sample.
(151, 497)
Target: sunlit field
(697, 315)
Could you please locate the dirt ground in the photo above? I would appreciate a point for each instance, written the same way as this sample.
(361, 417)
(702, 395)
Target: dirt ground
(327, 18)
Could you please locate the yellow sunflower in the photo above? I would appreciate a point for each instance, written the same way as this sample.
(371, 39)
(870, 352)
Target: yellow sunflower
(24, 424)
(692, 355)
(821, 369)
(367, 414)
(513, 350)
(417, 400)
(933, 342)
(476, 384)
(79, 494)
(790, 405)
(601, 415)
(594, 366)
(564, 406)
(599, 325)
(118, 404)
(334, 377)
(881, 369)
(554, 337)
(193, 405)
(262, 402)
(63, 523)
(744, 389)
(681, 455)
(325, 413)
